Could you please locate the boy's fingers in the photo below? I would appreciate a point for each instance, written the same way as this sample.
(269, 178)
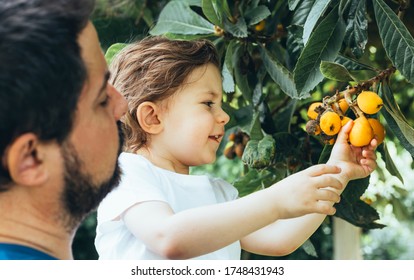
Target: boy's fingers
(328, 195)
(320, 169)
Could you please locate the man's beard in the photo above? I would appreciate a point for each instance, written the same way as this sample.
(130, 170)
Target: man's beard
(81, 195)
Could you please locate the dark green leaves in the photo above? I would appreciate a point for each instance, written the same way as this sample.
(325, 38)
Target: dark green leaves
(356, 35)
(396, 120)
(324, 44)
(279, 74)
(397, 40)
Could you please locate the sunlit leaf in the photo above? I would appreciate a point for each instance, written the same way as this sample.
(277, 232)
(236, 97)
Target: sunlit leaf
(113, 50)
(335, 71)
(293, 4)
(210, 11)
(397, 40)
(324, 44)
(301, 13)
(228, 80)
(178, 18)
(318, 9)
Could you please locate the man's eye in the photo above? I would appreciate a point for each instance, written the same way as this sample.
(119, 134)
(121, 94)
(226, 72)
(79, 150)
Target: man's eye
(105, 102)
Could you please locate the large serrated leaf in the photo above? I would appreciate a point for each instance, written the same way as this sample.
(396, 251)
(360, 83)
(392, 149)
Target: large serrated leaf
(280, 74)
(324, 44)
(397, 40)
(335, 71)
(318, 9)
(178, 18)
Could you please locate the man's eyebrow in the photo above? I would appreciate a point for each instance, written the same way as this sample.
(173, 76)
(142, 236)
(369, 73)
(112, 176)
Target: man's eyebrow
(105, 82)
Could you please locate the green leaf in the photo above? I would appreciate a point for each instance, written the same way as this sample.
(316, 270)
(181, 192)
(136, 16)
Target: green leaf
(280, 74)
(113, 50)
(309, 248)
(397, 40)
(178, 18)
(210, 11)
(238, 29)
(284, 117)
(335, 71)
(302, 12)
(318, 9)
(240, 73)
(228, 80)
(254, 129)
(396, 119)
(356, 34)
(389, 163)
(293, 4)
(257, 14)
(254, 180)
(294, 43)
(324, 44)
(352, 64)
(259, 153)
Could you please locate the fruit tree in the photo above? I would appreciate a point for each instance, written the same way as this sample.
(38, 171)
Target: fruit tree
(294, 72)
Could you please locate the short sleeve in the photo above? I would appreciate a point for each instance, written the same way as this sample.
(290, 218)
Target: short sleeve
(138, 184)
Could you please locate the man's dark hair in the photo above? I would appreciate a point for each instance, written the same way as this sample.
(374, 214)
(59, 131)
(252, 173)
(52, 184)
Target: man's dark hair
(41, 69)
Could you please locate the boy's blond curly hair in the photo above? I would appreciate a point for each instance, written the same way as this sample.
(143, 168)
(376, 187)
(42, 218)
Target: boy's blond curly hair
(152, 70)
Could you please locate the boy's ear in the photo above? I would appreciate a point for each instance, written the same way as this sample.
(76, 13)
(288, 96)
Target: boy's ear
(148, 117)
(23, 162)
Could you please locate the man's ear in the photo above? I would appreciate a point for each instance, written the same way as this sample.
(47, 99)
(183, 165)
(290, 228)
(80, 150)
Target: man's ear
(23, 162)
(148, 116)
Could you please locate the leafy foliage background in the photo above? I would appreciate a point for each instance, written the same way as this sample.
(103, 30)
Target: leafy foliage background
(307, 50)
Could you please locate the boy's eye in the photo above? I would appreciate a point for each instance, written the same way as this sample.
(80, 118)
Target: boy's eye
(209, 103)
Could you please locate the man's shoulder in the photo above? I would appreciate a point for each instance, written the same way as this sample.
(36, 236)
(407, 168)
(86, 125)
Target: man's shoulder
(20, 252)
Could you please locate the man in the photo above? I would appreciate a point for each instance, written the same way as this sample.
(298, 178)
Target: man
(59, 139)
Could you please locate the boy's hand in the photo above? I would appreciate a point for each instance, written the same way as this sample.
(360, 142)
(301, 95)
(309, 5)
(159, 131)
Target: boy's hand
(313, 190)
(355, 162)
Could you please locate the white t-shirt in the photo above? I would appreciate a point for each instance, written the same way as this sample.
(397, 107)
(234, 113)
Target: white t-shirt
(142, 181)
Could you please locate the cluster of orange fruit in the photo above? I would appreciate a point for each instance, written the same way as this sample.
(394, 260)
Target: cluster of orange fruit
(327, 118)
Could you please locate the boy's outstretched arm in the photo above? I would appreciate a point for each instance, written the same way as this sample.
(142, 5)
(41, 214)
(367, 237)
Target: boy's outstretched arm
(285, 236)
(202, 230)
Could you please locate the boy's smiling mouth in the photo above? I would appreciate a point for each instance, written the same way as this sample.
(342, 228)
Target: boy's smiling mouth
(216, 138)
